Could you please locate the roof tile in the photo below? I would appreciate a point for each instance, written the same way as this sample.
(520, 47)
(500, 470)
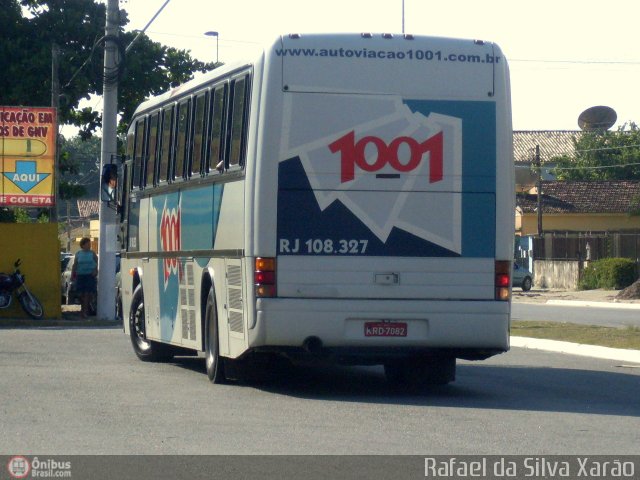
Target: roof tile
(553, 143)
(610, 196)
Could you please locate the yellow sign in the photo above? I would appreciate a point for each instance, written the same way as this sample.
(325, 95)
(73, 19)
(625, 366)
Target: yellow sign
(19, 147)
(27, 156)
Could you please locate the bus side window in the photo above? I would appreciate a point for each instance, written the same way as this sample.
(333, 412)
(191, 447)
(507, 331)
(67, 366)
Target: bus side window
(165, 145)
(153, 144)
(216, 130)
(238, 132)
(140, 150)
(123, 181)
(198, 131)
(181, 139)
(131, 138)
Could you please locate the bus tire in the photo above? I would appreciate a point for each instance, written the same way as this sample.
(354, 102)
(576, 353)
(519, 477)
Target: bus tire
(213, 361)
(421, 372)
(145, 350)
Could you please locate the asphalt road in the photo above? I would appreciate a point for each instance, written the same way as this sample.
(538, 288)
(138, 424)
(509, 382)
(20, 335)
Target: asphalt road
(82, 391)
(608, 317)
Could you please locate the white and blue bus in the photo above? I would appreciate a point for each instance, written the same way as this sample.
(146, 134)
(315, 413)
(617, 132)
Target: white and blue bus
(346, 197)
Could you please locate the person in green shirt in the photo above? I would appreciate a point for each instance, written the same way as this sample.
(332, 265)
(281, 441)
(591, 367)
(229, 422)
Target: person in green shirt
(85, 274)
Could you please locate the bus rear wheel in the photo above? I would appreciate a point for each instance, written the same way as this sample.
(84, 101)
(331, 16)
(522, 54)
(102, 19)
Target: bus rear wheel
(421, 372)
(145, 350)
(213, 361)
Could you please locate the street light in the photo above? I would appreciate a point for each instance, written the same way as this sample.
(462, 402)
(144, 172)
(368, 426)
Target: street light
(214, 34)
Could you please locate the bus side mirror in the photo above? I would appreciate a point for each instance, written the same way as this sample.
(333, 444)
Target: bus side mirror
(109, 183)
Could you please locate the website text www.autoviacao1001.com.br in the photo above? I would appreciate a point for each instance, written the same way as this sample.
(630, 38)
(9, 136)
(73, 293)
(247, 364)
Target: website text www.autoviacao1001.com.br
(380, 54)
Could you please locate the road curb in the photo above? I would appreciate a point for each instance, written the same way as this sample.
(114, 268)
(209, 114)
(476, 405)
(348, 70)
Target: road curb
(583, 303)
(594, 351)
(56, 322)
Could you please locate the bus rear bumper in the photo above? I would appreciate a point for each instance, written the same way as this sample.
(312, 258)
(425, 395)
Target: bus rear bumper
(471, 328)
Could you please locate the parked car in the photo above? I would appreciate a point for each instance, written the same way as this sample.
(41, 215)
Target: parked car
(64, 260)
(65, 280)
(522, 277)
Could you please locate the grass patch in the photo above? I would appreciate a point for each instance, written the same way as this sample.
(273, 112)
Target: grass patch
(626, 337)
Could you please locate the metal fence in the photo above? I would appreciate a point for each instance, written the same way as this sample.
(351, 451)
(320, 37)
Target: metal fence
(586, 246)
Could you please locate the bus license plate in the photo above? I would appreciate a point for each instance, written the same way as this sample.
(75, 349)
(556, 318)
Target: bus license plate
(385, 329)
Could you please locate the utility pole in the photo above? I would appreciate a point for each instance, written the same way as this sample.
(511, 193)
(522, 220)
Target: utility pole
(55, 103)
(107, 246)
(539, 189)
(68, 226)
(217, 35)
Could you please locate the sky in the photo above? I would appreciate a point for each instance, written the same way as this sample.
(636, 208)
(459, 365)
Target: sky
(564, 55)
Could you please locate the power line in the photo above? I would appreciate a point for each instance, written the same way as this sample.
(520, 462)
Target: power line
(200, 37)
(93, 48)
(623, 165)
(607, 148)
(579, 62)
(599, 149)
(549, 168)
(141, 32)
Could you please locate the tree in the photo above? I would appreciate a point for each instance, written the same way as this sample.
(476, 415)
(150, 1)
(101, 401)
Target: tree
(79, 167)
(77, 27)
(609, 155)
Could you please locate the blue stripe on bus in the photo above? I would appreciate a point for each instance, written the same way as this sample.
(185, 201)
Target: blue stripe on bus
(300, 218)
(199, 210)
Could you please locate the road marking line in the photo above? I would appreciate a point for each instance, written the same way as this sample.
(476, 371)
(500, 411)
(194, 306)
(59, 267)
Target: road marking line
(594, 351)
(581, 303)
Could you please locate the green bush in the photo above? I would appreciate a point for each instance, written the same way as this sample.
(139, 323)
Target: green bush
(609, 273)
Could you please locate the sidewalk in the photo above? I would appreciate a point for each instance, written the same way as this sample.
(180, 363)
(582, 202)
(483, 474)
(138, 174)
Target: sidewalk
(593, 351)
(596, 298)
(70, 318)
(578, 298)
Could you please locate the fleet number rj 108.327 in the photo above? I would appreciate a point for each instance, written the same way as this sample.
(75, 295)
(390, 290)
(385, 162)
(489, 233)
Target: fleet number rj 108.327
(323, 246)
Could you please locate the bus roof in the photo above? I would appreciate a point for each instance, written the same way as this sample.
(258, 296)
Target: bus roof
(191, 86)
(303, 55)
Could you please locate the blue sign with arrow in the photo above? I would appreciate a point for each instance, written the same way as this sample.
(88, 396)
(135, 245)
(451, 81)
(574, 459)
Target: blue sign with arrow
(25, 176)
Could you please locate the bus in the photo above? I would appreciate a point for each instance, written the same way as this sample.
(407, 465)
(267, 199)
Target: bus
(342, 198)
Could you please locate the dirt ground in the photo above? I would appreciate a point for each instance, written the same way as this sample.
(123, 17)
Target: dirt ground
(542, 295)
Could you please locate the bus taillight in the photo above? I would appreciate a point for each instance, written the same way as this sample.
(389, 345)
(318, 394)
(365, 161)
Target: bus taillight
(503, 280)
(264, 277)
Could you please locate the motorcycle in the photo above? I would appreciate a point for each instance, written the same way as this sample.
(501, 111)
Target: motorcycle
(11, 284)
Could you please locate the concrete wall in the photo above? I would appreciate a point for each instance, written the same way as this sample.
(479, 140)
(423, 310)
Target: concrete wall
(528, 224)
(556, 274)
(37, 245)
